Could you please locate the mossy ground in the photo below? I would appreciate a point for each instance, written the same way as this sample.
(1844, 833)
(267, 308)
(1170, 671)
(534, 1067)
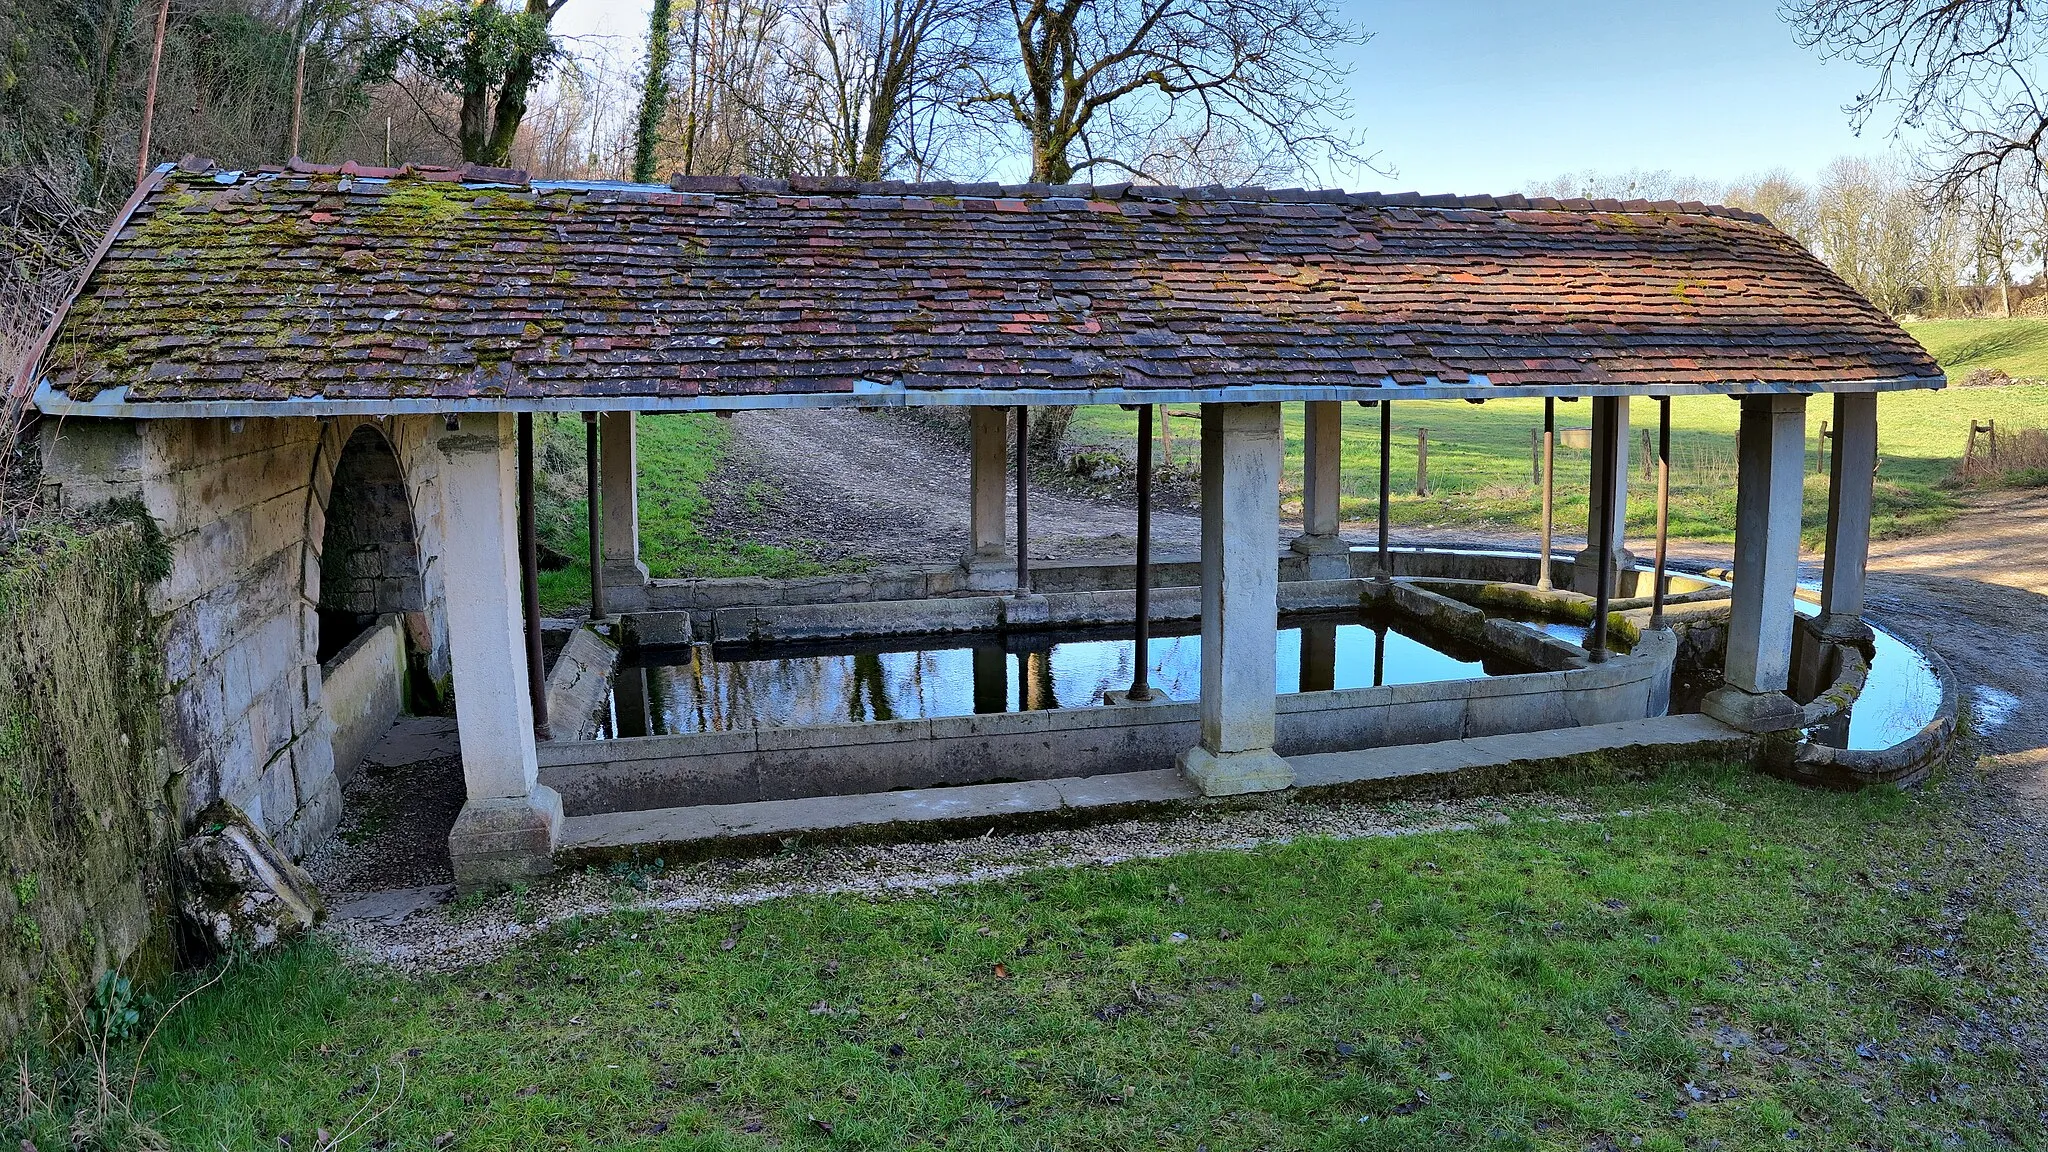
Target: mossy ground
(1709, 960)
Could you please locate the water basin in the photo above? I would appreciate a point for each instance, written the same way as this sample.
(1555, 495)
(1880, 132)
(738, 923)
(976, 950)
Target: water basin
(707, 688)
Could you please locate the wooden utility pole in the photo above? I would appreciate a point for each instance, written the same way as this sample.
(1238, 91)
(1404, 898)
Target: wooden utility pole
(156, 60)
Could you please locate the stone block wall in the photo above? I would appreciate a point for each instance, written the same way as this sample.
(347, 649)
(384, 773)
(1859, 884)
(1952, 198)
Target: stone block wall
(243, 508)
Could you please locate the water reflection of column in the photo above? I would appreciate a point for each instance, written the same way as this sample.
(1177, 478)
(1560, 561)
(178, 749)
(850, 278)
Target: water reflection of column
(1318, 655)
(991, 679)
(1036, 681)
(1379, 653)
(629, 696)
(1832, 733)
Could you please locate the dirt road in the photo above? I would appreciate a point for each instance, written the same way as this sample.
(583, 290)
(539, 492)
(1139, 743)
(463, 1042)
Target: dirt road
(893, 490)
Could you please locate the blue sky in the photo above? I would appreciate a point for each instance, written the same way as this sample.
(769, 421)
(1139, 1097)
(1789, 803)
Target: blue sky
(1483, 96)
(1490, 95)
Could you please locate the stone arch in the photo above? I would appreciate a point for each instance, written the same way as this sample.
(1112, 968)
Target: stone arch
(369, 560)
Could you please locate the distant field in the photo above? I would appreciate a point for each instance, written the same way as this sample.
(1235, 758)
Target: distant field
(1479, 459)
(2019, 348)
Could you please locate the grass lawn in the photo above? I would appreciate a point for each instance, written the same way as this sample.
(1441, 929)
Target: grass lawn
(1713, 960)
(678, 455)
(1479, 459)
(2019, 348)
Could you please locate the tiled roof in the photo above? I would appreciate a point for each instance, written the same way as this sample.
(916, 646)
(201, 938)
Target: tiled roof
(365, 284)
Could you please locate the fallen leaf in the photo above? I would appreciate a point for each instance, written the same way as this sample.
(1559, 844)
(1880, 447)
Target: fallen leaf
(824, 1126)
(1002, 972)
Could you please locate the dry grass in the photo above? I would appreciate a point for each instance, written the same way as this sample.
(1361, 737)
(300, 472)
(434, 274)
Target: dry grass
(2014, 455)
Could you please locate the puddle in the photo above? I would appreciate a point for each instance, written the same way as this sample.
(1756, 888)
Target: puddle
(702, 688)
(1992, 707)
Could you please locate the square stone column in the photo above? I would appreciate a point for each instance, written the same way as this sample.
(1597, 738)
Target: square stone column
(620, 478)
(988, 561)
(1610, 420)
(1241, 453)
(1851, 478)
(1329, 558)
(1770, 485)
(508, 827)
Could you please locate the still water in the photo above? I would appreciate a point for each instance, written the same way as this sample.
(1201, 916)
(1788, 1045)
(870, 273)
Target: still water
(702, 688)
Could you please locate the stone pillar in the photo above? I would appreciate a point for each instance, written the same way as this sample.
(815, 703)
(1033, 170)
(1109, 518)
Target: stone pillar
(508, 827)
(1241, 453)
(1584, 579)
(1329, 558)
(1770, 485)
(621, 499)
(988, 545)
(1853, 473)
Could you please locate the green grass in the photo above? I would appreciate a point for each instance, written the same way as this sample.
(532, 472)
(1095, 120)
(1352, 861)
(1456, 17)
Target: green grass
(2019, 348)
(1479, 460)
(677, 455)
(1546, 983)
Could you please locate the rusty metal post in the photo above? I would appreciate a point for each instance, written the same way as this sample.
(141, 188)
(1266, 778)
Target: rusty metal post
(1604, 462)
(1141, 632)
(1663, 509)
(592, 487)
(1549, 487)
(1386, 482)
(1023, 500)
(529, 583)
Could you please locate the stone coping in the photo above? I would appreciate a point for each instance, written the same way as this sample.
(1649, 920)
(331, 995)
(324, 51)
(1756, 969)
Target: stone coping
(1800, 758)
(1463, 767)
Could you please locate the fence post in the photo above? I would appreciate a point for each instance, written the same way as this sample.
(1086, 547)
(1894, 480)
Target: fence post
(1649, 458)
(1820, 448)
(1422, 461)
(1535, 456)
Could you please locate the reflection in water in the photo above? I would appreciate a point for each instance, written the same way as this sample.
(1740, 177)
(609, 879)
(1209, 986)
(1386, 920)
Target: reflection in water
(701, 689)
(1900, 698)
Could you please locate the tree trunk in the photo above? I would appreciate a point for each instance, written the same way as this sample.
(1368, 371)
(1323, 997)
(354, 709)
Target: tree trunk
(654, 95)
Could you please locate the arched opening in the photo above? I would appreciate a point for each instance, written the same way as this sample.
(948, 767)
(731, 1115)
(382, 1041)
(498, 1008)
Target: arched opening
(369, 554)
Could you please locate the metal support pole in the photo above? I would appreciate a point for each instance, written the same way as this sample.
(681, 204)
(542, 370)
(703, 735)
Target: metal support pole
(529, 583)
(1604, 461)
(1141, 633)
(1549, 486)
(1386, 481)
(1663, 508)
(593, 486)
(1023, 500)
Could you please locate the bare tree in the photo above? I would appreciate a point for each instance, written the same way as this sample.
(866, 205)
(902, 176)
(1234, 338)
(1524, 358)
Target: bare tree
(892, 74)
(1968, 72)
(1093, 80)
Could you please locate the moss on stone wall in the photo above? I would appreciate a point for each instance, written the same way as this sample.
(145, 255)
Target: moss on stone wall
(86, 823)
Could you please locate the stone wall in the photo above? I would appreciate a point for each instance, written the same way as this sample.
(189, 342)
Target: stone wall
(85, 816)
(243, 507)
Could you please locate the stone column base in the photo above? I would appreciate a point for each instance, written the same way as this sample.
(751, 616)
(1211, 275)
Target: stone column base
(990, 573)
(499, 840)
(1236, 773)
(1842, 629)
(1329, 557)
(1753, 711)
(625, 586)
(1583, 563)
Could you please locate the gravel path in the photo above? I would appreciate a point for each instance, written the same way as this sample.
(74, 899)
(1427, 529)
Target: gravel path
(890, 489)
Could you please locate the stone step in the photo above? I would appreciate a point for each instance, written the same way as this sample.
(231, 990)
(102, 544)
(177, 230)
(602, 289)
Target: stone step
(1463, 766)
